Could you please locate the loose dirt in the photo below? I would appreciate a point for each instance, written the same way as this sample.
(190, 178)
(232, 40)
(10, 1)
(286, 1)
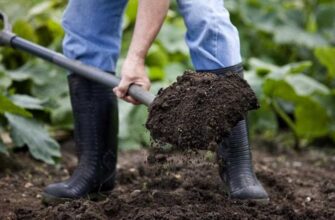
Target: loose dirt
(199, 110)
(301, 186)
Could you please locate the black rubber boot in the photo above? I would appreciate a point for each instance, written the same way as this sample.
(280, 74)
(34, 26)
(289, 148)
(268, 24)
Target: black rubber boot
(96, 127)
(235, 160)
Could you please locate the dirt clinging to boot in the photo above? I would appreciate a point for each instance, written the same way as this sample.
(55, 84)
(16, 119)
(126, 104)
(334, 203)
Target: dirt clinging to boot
(199, 109)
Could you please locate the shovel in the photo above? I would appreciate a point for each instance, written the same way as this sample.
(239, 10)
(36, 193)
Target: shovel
(8, 38)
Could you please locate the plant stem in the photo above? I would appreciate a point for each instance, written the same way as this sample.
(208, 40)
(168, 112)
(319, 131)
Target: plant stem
(288, 121)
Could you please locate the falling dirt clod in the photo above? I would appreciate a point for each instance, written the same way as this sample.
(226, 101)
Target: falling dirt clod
(199, 109)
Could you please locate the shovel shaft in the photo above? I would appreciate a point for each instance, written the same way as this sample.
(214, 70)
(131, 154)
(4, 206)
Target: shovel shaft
(77, 67)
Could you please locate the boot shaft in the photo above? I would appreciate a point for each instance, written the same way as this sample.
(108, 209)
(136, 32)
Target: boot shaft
(235, 159)
(95, 114)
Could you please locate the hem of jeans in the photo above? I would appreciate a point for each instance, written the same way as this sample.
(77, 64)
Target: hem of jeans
(235, 68)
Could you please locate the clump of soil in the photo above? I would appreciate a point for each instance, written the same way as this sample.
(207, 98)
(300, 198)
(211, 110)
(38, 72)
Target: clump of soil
(199, 109)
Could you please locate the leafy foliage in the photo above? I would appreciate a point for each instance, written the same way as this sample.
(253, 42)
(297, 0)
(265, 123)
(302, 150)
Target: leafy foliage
(8, 106)
(300, 94)
(3, 148)
(31, 133)
(27, 95)
(288, 48)
(326, 56)
(294, 97)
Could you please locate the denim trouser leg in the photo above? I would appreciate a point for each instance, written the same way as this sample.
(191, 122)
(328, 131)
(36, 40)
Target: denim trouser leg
(212, 39)
(93, 31)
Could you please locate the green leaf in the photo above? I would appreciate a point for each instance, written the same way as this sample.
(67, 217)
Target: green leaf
(61, 116)
(288, 34)
(39, 8)
(273, 87)
(27, 102)
(5, 81)
(261, 67)
(326, 15)
(291, 86)
(157, 57)
(306, 86)
(172, 38)
(328, 104)
(49, 32)
(30, 132)
(298, 67)
(173, 70)
(131, 11)
(25, 30)
(3, 148)
(132, 133)
(255, 81)
(326, 56)
(137, 130)
(263, 120)
(156, 73)
(6, 105)
(48, 81)
(311, 120)
(291, 68)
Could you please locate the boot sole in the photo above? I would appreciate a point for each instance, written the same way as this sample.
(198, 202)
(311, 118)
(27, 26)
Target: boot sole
(49, 199)
(262, 201)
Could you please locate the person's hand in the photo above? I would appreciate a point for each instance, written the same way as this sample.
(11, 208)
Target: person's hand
(132, 72)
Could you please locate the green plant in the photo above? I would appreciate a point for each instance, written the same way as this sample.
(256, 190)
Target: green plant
(303, 103)
(16, 118)
(283, 34)
(28, 99)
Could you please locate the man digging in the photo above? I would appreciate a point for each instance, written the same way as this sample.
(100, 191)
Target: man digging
(93, 36)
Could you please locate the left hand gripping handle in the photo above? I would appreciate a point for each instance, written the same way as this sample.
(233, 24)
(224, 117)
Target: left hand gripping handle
(6, 34)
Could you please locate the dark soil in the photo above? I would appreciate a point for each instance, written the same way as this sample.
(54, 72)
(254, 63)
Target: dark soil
(198, 110)
(301, 186)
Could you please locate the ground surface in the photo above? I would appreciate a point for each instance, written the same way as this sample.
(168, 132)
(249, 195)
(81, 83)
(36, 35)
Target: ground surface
(301, 187)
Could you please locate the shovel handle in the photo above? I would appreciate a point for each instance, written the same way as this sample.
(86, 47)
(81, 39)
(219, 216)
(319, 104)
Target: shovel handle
(6, 33)
(6, 24)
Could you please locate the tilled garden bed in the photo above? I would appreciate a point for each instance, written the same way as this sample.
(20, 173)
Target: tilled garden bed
(301, 186)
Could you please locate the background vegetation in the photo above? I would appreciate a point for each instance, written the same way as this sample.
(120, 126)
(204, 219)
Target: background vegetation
(289, 53)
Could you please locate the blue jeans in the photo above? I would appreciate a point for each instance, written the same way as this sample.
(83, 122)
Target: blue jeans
(94, 30)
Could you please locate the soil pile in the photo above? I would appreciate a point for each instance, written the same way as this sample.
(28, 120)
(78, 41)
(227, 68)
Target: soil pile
(300, 187)
(199, 109)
